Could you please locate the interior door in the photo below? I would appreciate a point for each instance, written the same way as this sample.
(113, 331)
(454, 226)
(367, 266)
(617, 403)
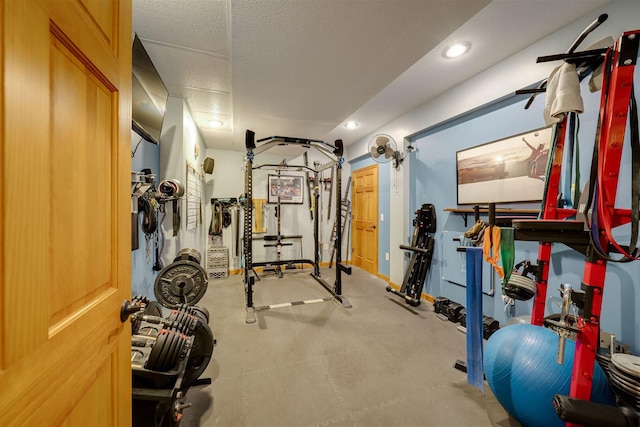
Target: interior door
(365, 218)
(64, 214)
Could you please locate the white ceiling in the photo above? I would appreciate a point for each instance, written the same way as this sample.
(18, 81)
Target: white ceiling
(302, 68)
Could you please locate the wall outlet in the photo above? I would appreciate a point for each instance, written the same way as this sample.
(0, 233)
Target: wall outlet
(381, 217)
(386, 256)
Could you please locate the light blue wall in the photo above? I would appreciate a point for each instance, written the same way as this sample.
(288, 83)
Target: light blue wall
(432, 169)
(142, 275)
(384, 231)
(433, 179)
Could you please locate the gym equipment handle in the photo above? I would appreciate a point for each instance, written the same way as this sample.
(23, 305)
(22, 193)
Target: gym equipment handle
(415, 249)
(591, 414)
(126, 310)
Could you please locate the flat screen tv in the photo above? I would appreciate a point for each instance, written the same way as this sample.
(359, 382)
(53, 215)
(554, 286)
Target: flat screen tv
(149, 95)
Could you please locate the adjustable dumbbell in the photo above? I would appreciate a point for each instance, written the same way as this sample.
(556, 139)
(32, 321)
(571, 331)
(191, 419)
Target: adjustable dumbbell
(453, 311)
(203, 340)
(201, 312)
(180, 322)
(167, 348)
(149, 307)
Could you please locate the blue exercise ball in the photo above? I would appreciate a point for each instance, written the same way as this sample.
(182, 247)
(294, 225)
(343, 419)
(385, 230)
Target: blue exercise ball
(521, 369)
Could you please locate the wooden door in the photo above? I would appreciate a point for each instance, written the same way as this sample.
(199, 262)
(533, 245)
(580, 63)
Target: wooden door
(365, 218)
(64, 214)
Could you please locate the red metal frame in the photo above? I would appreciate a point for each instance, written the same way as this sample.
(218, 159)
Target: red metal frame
(614, 107)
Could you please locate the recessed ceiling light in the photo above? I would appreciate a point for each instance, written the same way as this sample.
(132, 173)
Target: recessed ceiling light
(215, 123)
(457, 49)
(351, 125)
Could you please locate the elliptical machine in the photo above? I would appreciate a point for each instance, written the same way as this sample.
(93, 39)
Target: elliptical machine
(422, 248)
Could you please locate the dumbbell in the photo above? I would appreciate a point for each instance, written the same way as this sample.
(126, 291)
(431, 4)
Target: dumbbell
(151, 308)
(489, 326)
(167, 348)
(202, 344)
(463, 317)
(200, 312)
(453, 311)
(440, 305)
(184, 324)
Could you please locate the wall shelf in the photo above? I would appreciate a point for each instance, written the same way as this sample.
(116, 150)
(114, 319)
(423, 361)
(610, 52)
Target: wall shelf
(502, 214)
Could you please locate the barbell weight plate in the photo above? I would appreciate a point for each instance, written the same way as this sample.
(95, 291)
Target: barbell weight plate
(180, 282)
(201, 352)
(188, 254)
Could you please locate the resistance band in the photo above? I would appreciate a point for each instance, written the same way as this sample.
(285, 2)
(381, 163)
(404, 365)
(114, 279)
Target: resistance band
(594, 221)
(475, 372)
(507, 253)
(491, 248)
(571, 193)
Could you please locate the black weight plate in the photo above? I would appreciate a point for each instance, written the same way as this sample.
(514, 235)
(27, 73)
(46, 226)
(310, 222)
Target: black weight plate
(201, 352)
(440, 305)
(201, 312)
(136, 320)
(149, 331)
(174, 352)
(453, 312)
(176, 349)
(176, 317)
(156, 351)
(188, 255)
(180, 282)
(164, 363)
(139, 299)
(185, 322)
(162, 358)
(150, 308)
(153, 309)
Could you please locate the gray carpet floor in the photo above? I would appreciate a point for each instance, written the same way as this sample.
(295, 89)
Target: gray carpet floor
(379, 363)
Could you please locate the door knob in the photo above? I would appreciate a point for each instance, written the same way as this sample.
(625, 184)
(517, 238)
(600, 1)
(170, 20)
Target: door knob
(373, 226)
(127, 310)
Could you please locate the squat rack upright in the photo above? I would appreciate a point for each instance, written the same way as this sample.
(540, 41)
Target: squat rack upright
(334, 154)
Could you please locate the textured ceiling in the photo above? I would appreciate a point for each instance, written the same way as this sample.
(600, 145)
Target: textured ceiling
(302, 68)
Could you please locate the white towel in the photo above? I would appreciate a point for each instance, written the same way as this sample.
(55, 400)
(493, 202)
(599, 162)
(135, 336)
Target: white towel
(563, 94)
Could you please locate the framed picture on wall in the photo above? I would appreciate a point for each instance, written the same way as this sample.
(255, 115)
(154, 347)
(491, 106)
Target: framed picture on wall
(289, 188)
(509, 170)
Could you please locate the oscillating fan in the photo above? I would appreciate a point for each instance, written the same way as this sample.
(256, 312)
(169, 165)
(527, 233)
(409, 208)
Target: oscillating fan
(383, 149)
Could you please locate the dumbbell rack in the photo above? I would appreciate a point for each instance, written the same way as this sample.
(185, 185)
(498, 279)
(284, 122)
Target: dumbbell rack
(162, 402)
(169, 354)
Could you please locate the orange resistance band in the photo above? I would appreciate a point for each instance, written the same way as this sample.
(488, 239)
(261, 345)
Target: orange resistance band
(492, 239)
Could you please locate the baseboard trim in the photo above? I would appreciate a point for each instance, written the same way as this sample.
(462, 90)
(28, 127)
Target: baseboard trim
(424, 296)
